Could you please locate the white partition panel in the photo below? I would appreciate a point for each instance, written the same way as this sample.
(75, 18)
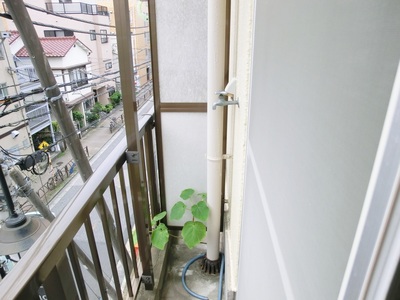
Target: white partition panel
(184, 136)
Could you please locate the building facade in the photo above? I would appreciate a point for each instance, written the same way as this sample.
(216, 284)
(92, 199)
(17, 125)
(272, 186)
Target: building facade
(15, 136)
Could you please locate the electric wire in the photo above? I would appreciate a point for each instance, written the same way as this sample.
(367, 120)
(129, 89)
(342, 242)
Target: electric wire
(82, 31)
(8, 16)
(73, 18)
(16, 123)
(146, 85)
(4, 113)
(95, 76)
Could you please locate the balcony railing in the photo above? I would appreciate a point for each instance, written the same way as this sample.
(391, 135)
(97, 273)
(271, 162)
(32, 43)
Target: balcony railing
(144, 94)
(39, 117)
(77, 8)
(41, 267)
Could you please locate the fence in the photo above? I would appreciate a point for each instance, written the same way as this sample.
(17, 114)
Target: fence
(41, 268)
(60, 174)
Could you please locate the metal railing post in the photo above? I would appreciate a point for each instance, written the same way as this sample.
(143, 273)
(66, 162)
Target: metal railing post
(140, 204)
(157, 101)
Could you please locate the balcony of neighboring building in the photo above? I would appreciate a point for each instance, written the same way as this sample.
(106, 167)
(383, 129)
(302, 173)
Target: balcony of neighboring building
(77, 8)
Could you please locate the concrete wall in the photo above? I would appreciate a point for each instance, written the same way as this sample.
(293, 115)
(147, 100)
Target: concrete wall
(321, 81)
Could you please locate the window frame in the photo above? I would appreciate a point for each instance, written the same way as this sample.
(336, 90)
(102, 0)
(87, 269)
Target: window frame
(53, 33)
(108, 65)
(93, 36)
(3, 90)
(104, 37)
(78, 77)
(2, 51)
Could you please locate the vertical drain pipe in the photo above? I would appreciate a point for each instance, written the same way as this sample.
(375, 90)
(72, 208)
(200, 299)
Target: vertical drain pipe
(215, 83)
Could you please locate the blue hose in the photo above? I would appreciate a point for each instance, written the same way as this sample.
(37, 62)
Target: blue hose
(221, 276)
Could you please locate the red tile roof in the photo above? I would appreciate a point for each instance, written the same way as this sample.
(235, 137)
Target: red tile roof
(14, 35)
(52, 46)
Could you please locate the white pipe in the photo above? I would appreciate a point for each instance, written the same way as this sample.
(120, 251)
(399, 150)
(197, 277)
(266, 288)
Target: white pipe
(215, 83)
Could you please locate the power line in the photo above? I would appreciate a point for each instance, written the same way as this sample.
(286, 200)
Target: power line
(82, 31)
(4, 113)
(16, 123)
(18, 97)
(8, 16)
(73, 18)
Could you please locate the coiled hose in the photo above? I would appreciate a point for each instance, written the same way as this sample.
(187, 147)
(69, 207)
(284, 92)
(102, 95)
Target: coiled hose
(221, 276)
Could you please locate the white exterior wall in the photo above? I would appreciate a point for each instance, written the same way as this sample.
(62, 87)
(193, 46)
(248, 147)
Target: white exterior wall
(322, 76)
(76, 57)
(21, 144)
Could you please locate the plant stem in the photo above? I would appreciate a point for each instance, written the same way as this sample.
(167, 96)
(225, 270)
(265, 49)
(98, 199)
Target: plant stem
(177, 237)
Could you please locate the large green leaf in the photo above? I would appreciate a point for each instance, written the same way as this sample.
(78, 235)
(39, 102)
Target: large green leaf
(186, 194)
(160, 236)
(178, 210)
(200, 211)
(193, 233)
(158, 217)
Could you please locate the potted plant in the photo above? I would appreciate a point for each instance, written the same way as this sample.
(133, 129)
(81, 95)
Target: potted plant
(193, 231)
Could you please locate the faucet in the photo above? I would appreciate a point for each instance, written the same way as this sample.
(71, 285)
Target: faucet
(223, 99)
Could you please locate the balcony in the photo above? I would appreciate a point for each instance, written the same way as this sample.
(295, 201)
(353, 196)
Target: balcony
(39, 117)
(77, 8)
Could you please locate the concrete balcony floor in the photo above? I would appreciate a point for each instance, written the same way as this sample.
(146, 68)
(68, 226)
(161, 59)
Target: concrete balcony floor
(168, 267)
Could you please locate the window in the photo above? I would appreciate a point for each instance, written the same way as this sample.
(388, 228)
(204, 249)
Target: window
(26, 74)
(148, 73)
(78, 77)
(3, 90)
(88, 104)
(108, 65)
(92, 35)
(104, 37)
(147, 36)
(56, 33)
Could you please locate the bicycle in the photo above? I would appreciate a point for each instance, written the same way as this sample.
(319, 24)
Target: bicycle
(55, 179)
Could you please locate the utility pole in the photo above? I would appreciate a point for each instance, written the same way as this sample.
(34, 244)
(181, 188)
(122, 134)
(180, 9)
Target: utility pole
(39, 60)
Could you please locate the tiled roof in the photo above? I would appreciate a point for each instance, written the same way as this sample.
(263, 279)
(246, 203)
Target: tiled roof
(52, 46)
(13, 36)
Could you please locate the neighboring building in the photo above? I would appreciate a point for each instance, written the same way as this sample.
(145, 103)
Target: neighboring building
(139, 23)
(68, 58)
(87, 30)
(15, 138)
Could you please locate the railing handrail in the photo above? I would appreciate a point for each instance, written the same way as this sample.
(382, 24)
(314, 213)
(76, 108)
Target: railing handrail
(50, 247)
(39, 108)
(38, 262)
